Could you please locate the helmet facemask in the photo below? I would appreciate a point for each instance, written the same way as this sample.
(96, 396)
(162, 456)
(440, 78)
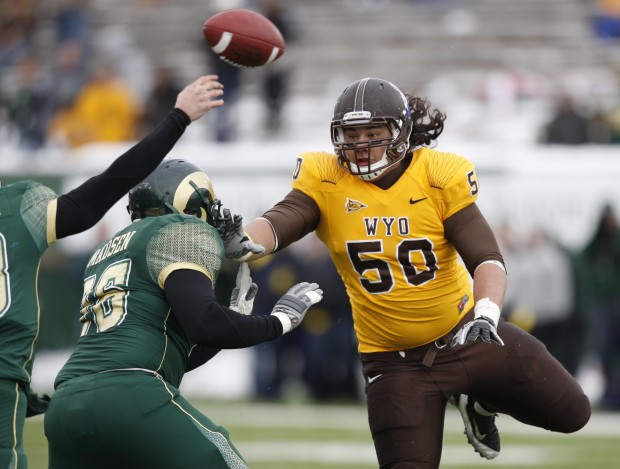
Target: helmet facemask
(371, 102)
(194, 196)
(395, 149)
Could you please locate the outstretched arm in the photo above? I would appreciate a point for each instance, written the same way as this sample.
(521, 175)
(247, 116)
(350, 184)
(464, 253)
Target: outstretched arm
(85, 205)
(288, 221)
(213, 326)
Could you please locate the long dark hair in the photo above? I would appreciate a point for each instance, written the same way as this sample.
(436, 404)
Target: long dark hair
(427, 125)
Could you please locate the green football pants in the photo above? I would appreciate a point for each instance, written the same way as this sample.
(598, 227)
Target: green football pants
(131, 419)
(12, 418)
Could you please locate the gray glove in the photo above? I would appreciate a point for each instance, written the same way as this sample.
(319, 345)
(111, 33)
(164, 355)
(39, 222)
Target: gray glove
(237, 244)
(294, 304)
(481, 329)
(242, 296)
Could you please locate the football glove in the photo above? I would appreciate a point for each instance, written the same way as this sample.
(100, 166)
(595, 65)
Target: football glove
(294, 304)
(37, 404)
(237, 244)
(242, 296)
(483, 328)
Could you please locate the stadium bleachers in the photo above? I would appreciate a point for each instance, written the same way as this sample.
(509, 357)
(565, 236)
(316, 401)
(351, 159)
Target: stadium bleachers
(412, 41)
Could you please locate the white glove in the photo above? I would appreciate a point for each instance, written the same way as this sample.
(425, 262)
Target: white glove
(483, 328)
(242, 296)
(294, 304)
(237, 244)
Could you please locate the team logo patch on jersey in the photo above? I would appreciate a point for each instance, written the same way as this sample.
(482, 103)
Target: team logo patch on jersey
(354, 205)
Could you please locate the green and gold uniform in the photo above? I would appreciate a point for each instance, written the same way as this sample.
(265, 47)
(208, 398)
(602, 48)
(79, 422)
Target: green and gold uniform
(27, 228)
(117, 396)
(32, 217)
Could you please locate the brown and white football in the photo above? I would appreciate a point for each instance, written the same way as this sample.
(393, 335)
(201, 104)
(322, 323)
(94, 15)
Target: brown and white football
(243, 38)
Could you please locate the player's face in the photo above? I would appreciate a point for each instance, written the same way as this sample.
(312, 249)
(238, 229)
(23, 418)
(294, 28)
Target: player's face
(370, 144)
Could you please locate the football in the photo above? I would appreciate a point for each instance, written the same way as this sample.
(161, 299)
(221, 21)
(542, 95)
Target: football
(243, 38)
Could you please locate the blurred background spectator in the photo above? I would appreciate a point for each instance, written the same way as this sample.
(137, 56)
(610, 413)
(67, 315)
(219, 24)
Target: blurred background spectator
(72, 52)
(543, 297)
(568, 124)
(18, 30)
(277, 76)
(607, 19)
(225, 119)
(117, 44)
(104, 110)
(161, 99)
(319, 361)
(599, 290)
(30, 104)
(69, 72)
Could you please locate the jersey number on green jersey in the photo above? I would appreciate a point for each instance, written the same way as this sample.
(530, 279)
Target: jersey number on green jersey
(104, 302)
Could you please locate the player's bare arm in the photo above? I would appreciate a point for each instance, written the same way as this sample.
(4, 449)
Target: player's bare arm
(490, 282)
(261, 232)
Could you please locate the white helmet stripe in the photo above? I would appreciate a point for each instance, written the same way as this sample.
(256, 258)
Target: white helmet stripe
(359, 93)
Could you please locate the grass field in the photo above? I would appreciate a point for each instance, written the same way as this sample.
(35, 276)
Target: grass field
(307, 436)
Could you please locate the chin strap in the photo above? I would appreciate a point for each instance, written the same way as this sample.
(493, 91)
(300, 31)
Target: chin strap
(371, 175)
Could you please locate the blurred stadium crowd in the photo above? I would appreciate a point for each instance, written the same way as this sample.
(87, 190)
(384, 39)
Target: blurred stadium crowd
(75, 72)
(530, 70)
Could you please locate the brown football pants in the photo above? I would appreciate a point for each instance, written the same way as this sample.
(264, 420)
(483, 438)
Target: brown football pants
(407, 398)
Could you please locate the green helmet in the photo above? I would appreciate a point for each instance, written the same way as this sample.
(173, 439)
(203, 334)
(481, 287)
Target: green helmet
(176, 186)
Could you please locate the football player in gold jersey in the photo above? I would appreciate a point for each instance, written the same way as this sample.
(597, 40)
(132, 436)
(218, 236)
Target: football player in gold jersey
(398, 218)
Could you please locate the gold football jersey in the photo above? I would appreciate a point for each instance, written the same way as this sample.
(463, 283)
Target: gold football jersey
(405, 281)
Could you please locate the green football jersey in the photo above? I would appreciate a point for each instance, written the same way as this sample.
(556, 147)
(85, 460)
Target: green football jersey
(24, 236)
(127, 322)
